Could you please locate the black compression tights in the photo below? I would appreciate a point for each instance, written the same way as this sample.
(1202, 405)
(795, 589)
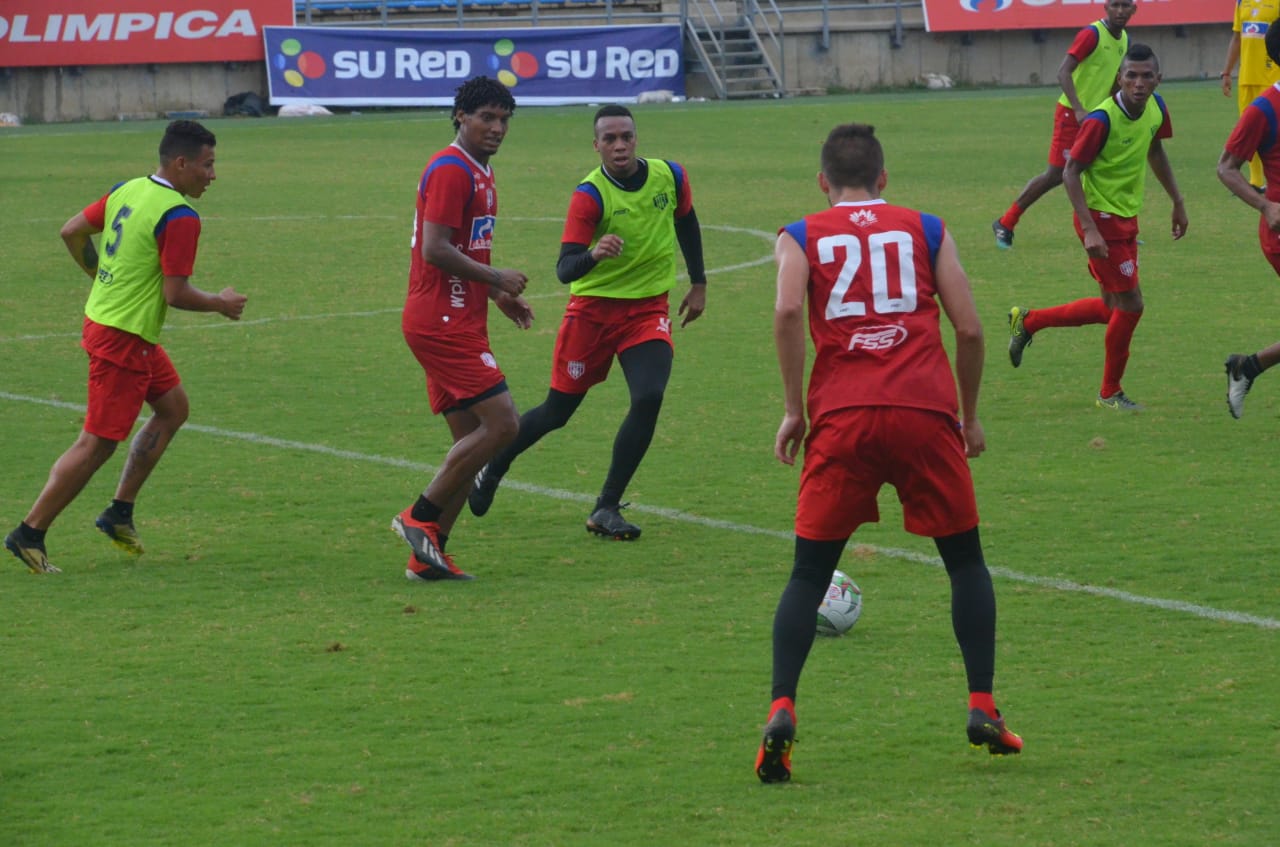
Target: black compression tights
(647, 368)
(973, 608)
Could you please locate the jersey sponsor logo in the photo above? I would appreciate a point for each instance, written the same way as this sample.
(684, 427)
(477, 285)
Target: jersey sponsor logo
(457, 294)
(481, 233)
(877, 338)
(1253, 29)
(576, 370)
(487, 359)
(863, 217)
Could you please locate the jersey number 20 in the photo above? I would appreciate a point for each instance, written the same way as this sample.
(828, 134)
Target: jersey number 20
(882, 300)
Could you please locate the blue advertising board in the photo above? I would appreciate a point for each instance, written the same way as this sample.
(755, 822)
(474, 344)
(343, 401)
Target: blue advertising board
(423, 67)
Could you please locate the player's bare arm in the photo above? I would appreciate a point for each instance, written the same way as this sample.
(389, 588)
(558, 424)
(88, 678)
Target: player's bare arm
(1229, 175)
(693, 304)
(956, 296)
(514, 307)
(438, 249)
(1233, 57)
(1159, 161)
(1094, 244)
(181, 294)
(1068, 85)
(77, 234)
(790, 338)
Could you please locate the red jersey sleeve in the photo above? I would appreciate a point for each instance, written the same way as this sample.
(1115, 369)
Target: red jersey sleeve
(1247, 136)
(583, 217)
(683, 190)
(1166, 126)
(446, 187)
(1093, 134)
(177, 237)
(1086, 41)
(96, 213)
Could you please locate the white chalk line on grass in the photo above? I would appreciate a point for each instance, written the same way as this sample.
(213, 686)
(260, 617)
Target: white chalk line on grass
(699, 520)
(369, 313)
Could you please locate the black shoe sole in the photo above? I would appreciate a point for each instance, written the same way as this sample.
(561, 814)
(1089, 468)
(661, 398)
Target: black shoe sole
(625, 535)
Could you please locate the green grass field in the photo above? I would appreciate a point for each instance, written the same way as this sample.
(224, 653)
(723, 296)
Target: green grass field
(265, 675)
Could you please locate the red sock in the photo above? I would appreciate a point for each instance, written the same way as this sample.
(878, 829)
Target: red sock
(1119, 333)
(982, 700)
(1010, 218)
(782, 703)
(1090, 310)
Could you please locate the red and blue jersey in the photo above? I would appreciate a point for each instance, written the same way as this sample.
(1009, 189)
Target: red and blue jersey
(458, 192)
(1257, 132)
(873, 312)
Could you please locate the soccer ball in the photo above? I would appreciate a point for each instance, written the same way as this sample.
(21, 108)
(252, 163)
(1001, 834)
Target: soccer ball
(839, 610)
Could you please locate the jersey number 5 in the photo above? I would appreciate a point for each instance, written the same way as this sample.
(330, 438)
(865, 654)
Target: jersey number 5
(851, 271)
(117, 226)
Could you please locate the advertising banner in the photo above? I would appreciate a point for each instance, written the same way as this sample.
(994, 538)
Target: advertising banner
(422, 67)
(35, 33)
(980, 15)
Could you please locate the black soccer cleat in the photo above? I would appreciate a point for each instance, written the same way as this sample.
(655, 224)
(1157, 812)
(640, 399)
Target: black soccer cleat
(990, 732)
(773, 761)
(483, 491)
(608, 522)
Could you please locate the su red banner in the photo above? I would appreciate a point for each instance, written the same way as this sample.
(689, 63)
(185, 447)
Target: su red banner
(131, 32)
(980, 15)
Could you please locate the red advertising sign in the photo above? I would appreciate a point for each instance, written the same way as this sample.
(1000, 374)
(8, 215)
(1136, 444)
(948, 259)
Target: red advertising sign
(981, 15)
(132, 32)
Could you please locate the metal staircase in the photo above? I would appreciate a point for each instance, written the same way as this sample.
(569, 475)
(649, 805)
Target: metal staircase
(730, 50)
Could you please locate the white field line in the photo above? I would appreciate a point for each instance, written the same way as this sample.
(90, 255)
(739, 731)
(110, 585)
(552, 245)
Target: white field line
(690, 518)
(221, 324)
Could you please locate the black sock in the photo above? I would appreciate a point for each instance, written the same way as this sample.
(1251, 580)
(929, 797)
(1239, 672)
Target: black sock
(30, 534)
(123, 510)
(1251, 367)
(444, 539)
(426, 511)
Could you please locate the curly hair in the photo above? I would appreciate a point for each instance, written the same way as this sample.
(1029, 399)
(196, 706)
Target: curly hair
(478, 92)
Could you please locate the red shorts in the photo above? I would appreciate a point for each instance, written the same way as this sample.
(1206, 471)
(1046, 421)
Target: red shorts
(595, 329)
(460, 368)
(1065, 129)
(1119, 271)
(851, 453)
(1270, 242)
(125, 371)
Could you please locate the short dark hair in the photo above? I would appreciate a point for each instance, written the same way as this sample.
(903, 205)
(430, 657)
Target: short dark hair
(852, 157)
(1273, 41)
(184, 138)
(611, 110)
(478, 92)
(1139, 52)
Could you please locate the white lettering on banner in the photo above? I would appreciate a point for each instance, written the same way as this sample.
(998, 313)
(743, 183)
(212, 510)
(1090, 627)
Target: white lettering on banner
(193, 24)
(431, 64)
(622, 63)
(619, 63)
(570, 63)
(349, 64)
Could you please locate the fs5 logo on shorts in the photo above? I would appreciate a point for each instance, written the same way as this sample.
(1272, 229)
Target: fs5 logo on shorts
(877, 338)
(481, 233)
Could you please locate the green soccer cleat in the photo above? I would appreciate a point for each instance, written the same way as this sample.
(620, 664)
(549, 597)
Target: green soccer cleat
(121, 532)
(1019, 338)
(1119, 402)
(31, 555)
(1004, 235)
